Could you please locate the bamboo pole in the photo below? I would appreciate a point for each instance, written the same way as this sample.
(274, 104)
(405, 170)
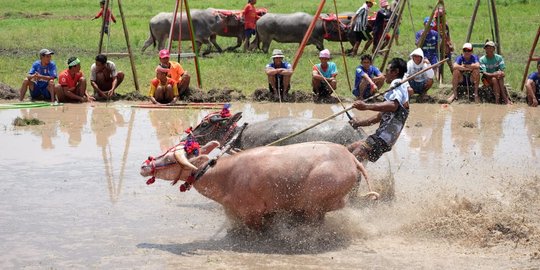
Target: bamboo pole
(385, 31)
(342, 50)
(131, 57)
(192, 35)
(402, 2)
(473, 19)
(180, 31)
(533, 48)
(104, 17)
(169, 43)
(307, 35)
(496, 24)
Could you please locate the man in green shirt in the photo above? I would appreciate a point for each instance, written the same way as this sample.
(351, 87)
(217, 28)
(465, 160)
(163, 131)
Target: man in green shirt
(492, 66)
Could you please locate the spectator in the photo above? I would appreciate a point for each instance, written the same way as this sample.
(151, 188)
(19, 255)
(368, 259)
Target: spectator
(104, 78)
(492, 67)
(423, 82)
(163, 90)
(250, 19)
(359, 25)
(176, 72)
(323, 72)
(466, 67)
(109, 17)
(381, 19)
(368, 78)
(279, 74)
(40, 78)
(533, 87)
(391, 116)
(429, 47)
(71, 85)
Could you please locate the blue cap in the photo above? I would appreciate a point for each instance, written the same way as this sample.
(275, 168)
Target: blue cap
(426, 20)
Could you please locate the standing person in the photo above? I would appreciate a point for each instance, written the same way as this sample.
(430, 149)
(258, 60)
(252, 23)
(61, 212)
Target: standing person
(322, 72)
(391, 116)
(109, 17)
(533, 87)
(176, 72)
(104, 78)
(466, 64)
(429, 47)
(381, 20)
(40, 78)
(71, 85)
(492, 66)
(423, 82)
(368, 78)
(250, 19)
(359, 25)
(279, 71)
(163, 90)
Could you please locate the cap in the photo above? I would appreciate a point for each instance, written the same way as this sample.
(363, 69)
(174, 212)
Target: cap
(45, 52)
(277, 53)
(384, 3)
(489, 43)
(164, 54)
(324, 54)
(426, 20)
(467, 46)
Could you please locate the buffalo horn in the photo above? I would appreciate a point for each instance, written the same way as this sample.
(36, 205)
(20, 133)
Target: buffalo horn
(180, 156)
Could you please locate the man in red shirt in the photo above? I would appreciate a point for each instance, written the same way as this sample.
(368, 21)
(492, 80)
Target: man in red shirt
(250, 20)
(71, 85)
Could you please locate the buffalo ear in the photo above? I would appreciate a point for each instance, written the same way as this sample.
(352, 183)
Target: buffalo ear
(207, 148)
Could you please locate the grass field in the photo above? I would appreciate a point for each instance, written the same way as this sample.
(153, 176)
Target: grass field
(65, 26)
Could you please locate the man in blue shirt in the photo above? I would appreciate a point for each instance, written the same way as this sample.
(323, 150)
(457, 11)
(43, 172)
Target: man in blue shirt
(323, 74)
(429, 47)
(279, 74)
(467, 64)
(368, 78)
(533, 87)
(40, 79)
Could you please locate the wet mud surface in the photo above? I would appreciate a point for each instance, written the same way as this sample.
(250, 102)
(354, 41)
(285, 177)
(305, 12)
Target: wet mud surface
(461, 190)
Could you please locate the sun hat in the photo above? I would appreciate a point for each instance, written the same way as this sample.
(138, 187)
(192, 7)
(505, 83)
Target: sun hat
(277, 53)
(164, 53)
(43, 52)
(467, 46)
(489, 43)
(324, 54)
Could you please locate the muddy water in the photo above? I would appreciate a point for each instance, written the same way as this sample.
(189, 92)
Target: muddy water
(461, 190)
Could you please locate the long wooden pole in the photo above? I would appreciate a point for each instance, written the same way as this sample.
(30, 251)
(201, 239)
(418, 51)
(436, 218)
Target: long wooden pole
(131, 57)
(385, 31)
(104, 17)
(350, 108)
(180, 31)
(473, 19)
(342, 49)
(169, 44)
(192, 35)
(402, 2)
(307, 35)
(496, 23)
(533, 48)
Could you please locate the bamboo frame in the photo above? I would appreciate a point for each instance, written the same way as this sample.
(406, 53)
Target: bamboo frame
(531, 58)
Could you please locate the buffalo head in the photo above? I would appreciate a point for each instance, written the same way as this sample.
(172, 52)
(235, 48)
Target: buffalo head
(216, 127)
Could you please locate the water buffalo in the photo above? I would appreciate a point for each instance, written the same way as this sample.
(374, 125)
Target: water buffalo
(291, 28)
(215, 127)
(205, 24)
(233, 26)
(306, 180)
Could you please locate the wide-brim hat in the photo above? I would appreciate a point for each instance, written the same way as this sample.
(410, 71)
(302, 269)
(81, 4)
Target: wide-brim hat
(277, 53)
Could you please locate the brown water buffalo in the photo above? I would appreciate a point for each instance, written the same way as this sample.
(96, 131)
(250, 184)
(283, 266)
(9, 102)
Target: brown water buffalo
(205, 24)
(291, 28)
(306, 180)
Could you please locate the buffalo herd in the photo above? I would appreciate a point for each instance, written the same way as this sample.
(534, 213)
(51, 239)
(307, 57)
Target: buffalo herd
(283, 28)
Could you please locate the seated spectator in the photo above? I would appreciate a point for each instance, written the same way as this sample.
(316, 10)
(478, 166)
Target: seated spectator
(40, 78)
(176, 72)
(279, 74)
(368, 78)
(423, 82)
(71, 85)
(324, 72)
(104, 78)
(466, 64)
(163, 90)
(533, 87)
(492, 67)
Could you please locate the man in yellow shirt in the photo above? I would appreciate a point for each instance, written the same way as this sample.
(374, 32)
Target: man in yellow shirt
(176, 72)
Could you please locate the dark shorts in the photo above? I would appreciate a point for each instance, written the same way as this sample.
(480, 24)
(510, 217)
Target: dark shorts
(418, 87)
(40, 91)
(375, 147)
(362, 35)
(249, 32)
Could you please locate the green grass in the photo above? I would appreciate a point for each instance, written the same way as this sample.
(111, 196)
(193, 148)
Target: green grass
(66, 27)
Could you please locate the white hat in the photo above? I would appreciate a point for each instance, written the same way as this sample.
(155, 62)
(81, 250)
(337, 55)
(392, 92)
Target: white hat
(277, 53)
